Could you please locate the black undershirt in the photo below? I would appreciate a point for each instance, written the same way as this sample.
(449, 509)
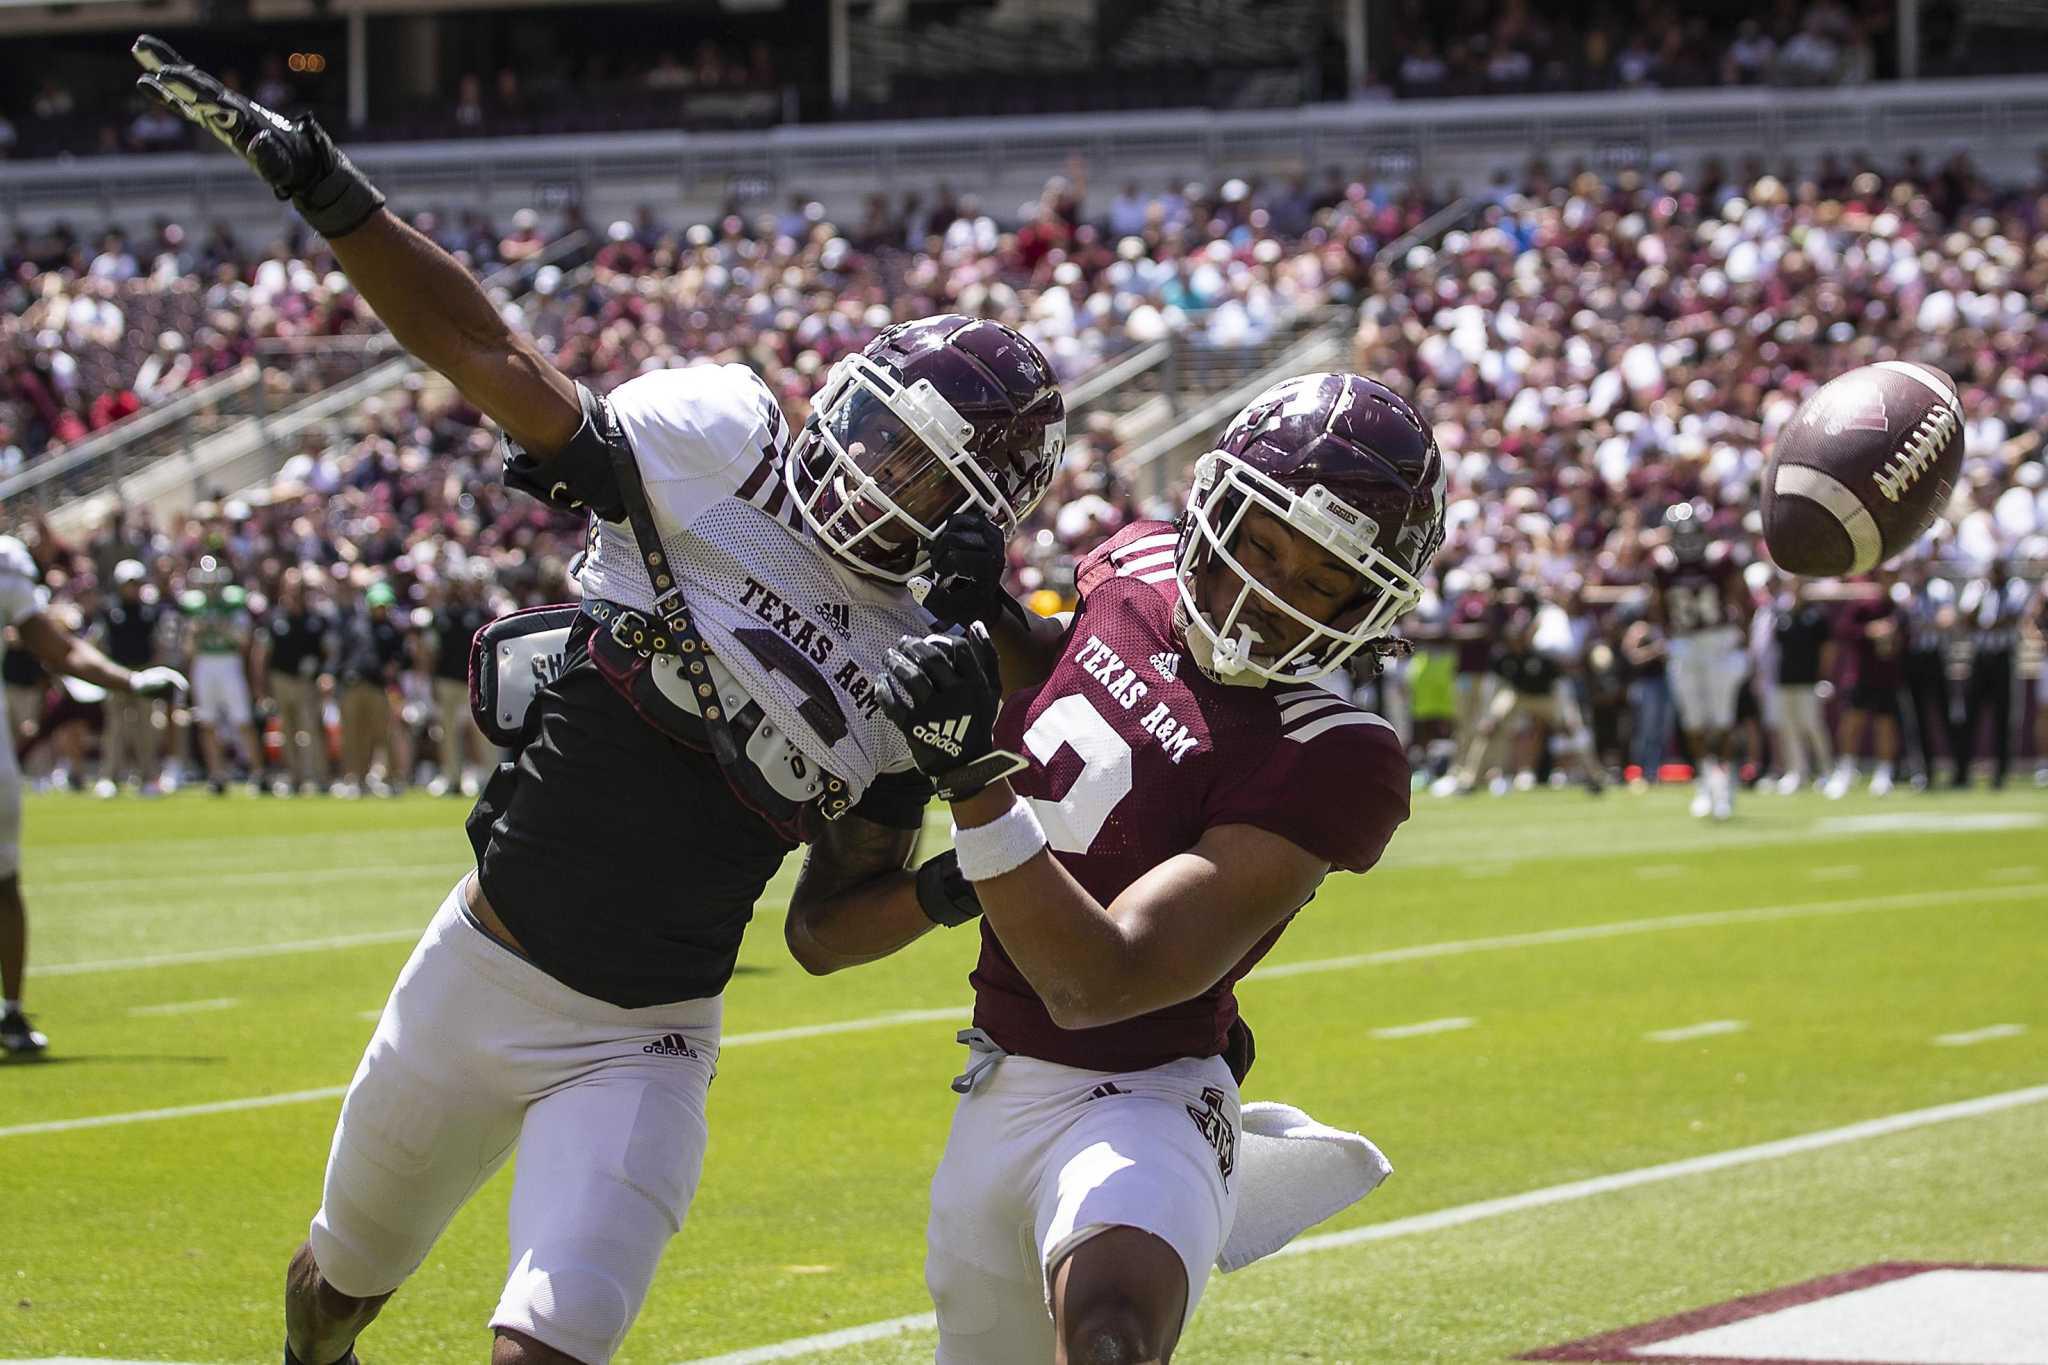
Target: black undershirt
(620, 858)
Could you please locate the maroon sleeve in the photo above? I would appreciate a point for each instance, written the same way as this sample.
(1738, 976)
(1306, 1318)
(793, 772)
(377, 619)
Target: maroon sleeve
(1340, 793)
(1100, 564)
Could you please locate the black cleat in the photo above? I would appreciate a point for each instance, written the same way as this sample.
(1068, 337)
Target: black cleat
(19, 1038)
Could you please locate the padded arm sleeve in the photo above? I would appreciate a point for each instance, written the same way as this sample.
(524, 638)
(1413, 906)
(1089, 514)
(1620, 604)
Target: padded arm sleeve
(579, 478)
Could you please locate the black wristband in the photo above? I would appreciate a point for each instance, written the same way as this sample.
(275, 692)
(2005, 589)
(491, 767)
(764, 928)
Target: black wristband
(957, 784)
(579, 477)
(946, 897)
(341, 200)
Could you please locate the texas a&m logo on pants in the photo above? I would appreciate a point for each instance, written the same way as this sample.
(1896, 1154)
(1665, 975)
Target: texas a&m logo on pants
(1216, 1128)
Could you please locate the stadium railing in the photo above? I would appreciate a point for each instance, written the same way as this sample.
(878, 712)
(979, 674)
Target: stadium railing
(2000, 120)
(127, 447)
(205, 440)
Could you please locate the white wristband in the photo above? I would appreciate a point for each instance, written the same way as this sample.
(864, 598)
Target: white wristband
(1002, 845)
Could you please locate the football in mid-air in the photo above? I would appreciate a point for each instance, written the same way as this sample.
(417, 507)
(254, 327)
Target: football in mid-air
(1862, 469)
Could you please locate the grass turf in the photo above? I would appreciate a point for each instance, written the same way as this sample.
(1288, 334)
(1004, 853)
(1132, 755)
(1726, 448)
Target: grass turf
(1843, 936)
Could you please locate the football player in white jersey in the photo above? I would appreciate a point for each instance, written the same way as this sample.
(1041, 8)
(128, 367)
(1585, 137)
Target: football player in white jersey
(57, 649)
(1698, 597)
(713, 703)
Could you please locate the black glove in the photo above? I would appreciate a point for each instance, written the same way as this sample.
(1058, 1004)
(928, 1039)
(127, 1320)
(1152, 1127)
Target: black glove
(966, 576)
(295, 157)
(942, 692)
(946, 897)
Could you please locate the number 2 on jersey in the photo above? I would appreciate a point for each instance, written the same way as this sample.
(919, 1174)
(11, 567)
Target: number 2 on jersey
(1072, 822)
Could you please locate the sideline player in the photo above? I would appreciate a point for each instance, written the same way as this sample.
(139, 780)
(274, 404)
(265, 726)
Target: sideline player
(217, 634)
(57, 649)
(1188, 787)
(718, 703)
(1698, 598)
(1875, 629)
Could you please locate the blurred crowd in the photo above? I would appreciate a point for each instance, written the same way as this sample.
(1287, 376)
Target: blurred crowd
(1482, 47)
(97, 327)
(573, 75)
(1590, 351)
(1907, 677)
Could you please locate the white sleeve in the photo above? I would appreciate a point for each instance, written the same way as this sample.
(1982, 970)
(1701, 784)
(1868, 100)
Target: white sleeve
(696, 422)
(20, 596)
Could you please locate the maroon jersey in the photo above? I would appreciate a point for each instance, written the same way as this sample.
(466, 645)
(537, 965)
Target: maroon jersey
(1134, 753)
(1699, 597)
(1876, 663)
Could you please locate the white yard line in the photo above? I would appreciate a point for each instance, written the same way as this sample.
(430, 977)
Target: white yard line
(1657, 872)
(2012, 874)
(779, 1035)
(1711, 1029)
(183, 1111)
(1704, 919)
(1980, 1035)
(203, 883)
(1484, 1209)
(1417, 952)
(873, 1021)
(1425, 1028)
(225, 1002)
(230, 954)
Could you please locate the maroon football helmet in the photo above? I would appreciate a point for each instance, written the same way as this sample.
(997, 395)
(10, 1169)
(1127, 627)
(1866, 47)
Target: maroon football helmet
(930, 417)
(1347, 463)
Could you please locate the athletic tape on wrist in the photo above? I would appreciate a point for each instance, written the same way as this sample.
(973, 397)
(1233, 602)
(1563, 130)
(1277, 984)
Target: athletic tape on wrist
(1002, 845)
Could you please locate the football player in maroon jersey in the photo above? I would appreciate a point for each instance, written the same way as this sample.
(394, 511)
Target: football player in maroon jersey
(1699, 599)
(1168, 788)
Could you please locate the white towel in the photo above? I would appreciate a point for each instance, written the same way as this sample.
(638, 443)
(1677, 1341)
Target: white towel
(1292, 1173)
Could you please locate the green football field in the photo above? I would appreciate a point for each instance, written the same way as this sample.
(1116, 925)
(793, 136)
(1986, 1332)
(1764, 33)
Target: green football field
(1582, 1031)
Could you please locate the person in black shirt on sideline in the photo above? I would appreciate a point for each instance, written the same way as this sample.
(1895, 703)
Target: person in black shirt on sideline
(130, 631)
(372, 655)
(296, 650)
(459, 614)
(1931, 628)
(1533, 687)
(1803, 632)
(1991, 610)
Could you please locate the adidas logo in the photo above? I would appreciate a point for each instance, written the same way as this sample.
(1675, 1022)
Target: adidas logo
(945, 738)
(1168, 664)
(674, 1045)
(839, 616)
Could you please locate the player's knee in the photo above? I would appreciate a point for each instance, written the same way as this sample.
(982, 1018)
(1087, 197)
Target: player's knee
(564, 1312)
(1112, 1329)
(1119, 1300)
(515, 1348)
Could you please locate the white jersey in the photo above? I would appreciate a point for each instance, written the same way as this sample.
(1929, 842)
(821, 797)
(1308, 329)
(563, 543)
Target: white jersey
(21, 596)
(802, 634)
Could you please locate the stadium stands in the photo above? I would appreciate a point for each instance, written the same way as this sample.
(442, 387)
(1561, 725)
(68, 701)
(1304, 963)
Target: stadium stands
(1589, 351)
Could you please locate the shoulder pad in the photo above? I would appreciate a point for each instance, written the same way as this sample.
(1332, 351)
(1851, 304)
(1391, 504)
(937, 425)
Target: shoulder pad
(15, 559)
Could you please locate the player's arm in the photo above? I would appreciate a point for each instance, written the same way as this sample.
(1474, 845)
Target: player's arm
(60, 651)
(435, 309)
(1170, 936)
(439, 313)
(855, 899)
